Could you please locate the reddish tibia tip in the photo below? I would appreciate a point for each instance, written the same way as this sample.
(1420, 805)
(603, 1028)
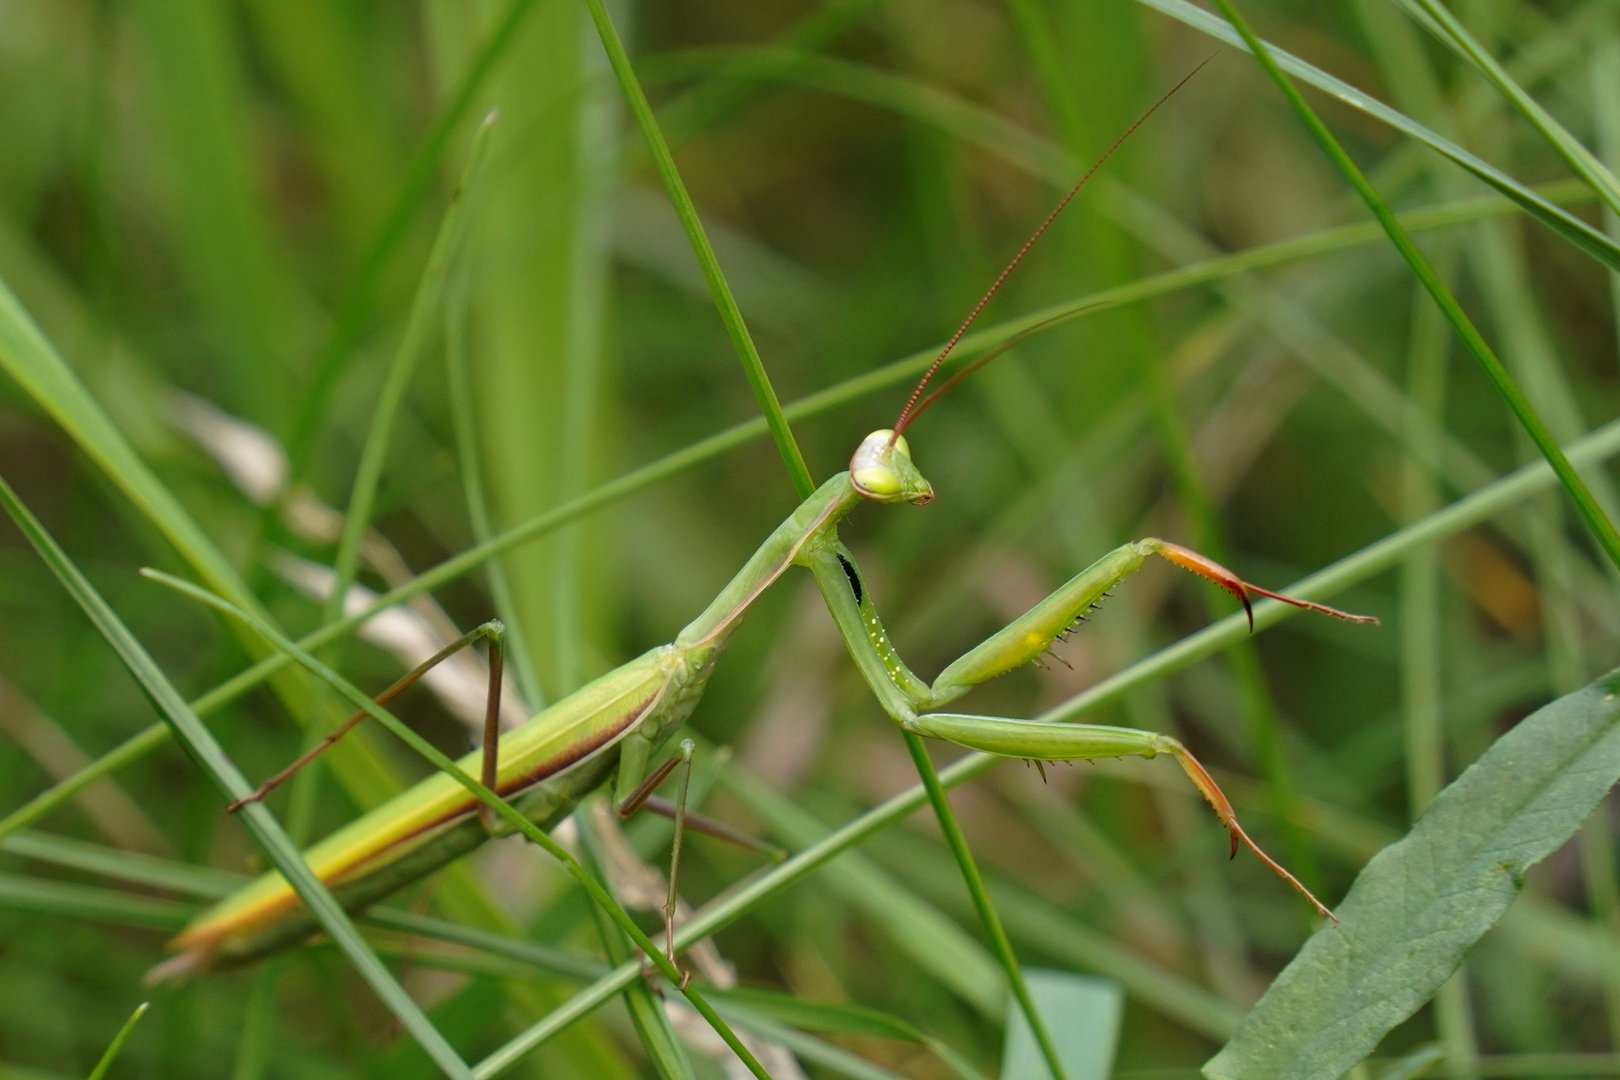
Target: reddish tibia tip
(1311, 605)
(1299, 887)
(1210, 570)
(1217, 799)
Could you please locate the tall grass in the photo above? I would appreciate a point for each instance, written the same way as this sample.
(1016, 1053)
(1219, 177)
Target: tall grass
(239, 206)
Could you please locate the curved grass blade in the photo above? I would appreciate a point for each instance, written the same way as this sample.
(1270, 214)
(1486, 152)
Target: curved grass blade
(45, 376)
(1586, 504)
(782, 1016)
(90, 903)
(1565, 224)
(421, 324)
(200, 744)
(355, 305)
(1580, 160)
(1000, 945)
(1422, 903)
(730, 314)
(646, 1009)
(117, 1044)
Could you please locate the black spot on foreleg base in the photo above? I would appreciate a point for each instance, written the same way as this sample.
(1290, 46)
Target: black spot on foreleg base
(854, 578)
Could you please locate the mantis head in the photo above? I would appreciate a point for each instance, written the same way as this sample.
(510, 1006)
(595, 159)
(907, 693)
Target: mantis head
(881, 470)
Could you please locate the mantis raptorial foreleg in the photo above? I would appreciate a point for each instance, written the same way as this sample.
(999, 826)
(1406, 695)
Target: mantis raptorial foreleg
(908, 699)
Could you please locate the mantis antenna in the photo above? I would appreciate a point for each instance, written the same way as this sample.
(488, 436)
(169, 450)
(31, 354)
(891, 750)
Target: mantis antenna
(913, 409)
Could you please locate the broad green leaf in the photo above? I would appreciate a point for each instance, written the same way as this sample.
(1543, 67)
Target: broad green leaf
(1422, 903)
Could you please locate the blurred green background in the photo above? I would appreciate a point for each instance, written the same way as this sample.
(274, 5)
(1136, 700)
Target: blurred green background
(219, 216)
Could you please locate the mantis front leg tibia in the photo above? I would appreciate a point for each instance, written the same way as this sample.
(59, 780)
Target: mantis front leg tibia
(909, 700)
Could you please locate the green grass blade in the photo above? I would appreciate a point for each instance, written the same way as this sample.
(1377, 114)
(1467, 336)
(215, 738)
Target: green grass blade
(1576, 156)
(90, 903)
(29, 359)
(235, 264)
(730, 314)
(199, 742)
(463, 420)
(923, 934)
(422, 324)
(1586, 504)
(1566, 225)
(769, 1013)
(355, 307)
(646, 1009)
(117, 1044)
(40, 370)
(1422, 903)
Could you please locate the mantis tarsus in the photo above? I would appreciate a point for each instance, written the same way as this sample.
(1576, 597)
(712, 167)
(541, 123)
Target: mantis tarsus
(618, 721)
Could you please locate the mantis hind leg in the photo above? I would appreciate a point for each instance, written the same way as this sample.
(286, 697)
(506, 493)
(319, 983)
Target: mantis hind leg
(638, 799)
(1085, 742)
(643, 797)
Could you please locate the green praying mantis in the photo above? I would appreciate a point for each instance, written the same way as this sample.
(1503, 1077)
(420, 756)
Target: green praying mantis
(613, 727)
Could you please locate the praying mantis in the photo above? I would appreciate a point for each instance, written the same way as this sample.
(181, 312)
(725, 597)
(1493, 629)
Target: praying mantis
(611, 729)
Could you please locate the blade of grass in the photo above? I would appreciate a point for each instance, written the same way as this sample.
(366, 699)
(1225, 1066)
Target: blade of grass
(645, 1008)
(355, 306)
(1602, 529)
(681, 200)
(1566, 225)
(1576, 156)
(231, 258)
(983, 906)
(63, 899)
(117, 1044)
(31, 361)
(539, 283)
(200, 744)
(421, 325)
(1090, 1039)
